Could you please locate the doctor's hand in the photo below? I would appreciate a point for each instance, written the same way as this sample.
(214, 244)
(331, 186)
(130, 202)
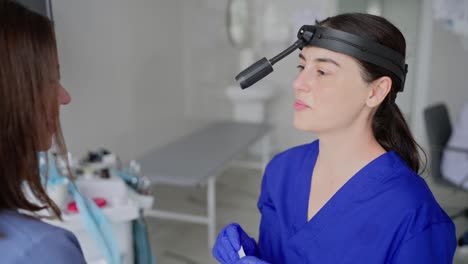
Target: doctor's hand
(228, 243)
(251, 260)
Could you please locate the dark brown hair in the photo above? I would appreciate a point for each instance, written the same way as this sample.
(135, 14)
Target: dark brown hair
(388, 124)
(29, 107)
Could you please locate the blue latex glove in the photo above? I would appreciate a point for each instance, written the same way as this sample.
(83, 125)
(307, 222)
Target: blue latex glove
(251, 260)
(228, 243)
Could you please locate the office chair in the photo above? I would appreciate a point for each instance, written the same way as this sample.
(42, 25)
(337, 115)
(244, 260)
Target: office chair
(439, 129)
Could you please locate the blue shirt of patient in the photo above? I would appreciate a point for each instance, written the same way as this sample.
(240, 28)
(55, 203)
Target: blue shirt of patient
(384, 214)
(24, 240)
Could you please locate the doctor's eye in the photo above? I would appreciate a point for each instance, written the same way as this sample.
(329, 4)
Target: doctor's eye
(300, 67)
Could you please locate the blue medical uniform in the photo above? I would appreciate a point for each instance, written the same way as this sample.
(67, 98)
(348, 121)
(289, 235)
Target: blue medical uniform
(24, 240)
(384, 214)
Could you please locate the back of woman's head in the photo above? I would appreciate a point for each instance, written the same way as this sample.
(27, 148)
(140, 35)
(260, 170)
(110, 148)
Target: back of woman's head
(29, 109)
(388, 124)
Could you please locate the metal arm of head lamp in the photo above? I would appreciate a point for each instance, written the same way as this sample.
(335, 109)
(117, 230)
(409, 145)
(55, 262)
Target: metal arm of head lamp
(263, 67)
(335, 40)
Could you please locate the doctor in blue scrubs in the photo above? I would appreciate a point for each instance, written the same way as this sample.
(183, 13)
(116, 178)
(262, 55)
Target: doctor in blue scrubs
(354, 195)
(30, 97)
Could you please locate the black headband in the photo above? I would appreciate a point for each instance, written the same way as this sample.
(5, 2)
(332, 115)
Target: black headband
(335, 40)
(355, 46)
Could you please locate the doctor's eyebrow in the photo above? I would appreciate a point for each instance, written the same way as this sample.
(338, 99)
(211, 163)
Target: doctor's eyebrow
(328, 60)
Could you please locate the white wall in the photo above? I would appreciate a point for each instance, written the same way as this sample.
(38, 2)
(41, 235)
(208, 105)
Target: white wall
(121, 61)
(449, 69)
(206, 89)
(145, 72)
(445, 62)
(211, 63)
(93, 42)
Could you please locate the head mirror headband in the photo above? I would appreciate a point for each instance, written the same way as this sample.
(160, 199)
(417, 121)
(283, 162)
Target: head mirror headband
(334, 40)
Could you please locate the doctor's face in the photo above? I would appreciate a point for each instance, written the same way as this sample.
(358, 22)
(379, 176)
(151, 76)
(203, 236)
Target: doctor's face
(329, 91)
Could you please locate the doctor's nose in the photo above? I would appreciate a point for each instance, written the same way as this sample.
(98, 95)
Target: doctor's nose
(301, 83)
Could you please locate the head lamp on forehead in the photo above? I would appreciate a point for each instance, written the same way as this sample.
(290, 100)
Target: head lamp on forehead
(335, 40)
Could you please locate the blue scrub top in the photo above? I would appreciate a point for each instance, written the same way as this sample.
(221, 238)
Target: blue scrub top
(384, 214)
(28, 240)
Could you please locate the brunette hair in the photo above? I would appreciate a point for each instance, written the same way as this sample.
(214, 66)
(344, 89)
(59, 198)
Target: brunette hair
(29, 108)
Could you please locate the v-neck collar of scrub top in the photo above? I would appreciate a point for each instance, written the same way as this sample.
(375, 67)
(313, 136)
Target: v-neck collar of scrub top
(341, 202)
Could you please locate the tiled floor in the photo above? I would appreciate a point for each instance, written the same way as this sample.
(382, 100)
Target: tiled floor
(237, 192)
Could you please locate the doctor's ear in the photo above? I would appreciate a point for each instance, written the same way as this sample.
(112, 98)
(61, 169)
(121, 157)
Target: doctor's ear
(379, 89)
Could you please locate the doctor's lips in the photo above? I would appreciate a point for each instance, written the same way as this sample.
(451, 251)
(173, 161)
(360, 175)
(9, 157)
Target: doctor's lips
(300, 105)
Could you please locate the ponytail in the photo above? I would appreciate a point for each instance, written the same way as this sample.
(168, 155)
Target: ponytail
(392, 132)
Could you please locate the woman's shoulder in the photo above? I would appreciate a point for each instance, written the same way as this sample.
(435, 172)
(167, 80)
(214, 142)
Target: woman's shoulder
(24, 238)
(410, 197)
(24, 228)
(412, 207)
(411, 187)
